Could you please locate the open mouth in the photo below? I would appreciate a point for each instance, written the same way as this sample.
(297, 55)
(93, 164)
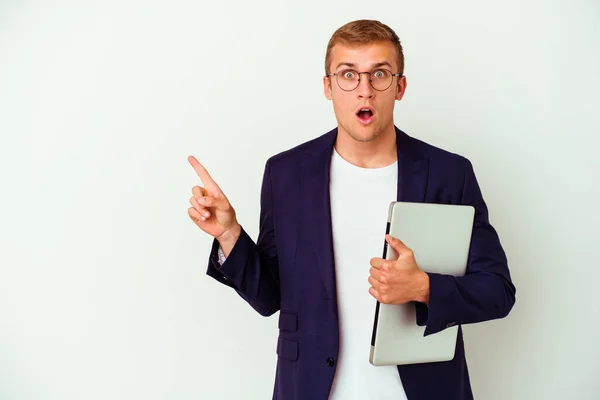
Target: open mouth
(365, 115)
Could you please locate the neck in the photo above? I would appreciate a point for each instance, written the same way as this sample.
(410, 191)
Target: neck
(377, 153)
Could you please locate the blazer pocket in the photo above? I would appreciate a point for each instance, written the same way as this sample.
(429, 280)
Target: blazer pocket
(287, 349)
(288, 321)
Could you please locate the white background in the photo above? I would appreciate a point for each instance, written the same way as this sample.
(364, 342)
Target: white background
(103, 292)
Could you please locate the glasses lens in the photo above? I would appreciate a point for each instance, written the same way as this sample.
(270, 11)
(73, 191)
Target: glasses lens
(381, 79)
(347, 79)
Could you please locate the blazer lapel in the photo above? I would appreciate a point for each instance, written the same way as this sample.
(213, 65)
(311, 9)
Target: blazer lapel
(413, 170)
(316, 229)
(316, 225)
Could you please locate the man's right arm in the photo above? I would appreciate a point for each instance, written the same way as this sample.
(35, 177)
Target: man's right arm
(228, 239)
(250, 268)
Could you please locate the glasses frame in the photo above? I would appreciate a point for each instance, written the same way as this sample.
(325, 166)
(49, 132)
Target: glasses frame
(399, 75)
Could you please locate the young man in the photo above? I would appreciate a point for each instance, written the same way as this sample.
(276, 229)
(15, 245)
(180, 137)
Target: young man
(322, 204)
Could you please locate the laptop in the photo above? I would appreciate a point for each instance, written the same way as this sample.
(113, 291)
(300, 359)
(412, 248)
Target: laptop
(439, 236)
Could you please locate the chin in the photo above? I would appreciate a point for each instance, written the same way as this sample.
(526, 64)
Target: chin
(364, 133)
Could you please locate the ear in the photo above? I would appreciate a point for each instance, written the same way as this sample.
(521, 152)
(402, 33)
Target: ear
(327, 87)
(401, 88)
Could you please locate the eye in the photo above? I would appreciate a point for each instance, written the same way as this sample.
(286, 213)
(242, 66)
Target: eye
(379, 74)
(348, 74)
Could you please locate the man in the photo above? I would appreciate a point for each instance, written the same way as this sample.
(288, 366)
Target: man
(322, 207)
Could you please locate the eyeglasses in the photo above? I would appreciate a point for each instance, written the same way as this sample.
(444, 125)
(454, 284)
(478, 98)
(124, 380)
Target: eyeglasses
(348, 79)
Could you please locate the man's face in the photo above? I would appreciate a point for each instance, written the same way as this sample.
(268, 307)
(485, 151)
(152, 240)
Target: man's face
(364, 126)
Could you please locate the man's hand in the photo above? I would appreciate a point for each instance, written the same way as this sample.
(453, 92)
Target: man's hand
(398, 281)
(211, 210)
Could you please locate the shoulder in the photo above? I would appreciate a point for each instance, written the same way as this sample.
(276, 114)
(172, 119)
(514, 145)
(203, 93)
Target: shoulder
(438, 159)
(436, 154)
(296, 154)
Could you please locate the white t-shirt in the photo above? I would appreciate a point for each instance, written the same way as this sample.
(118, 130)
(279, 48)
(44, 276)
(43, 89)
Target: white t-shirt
(360, 198)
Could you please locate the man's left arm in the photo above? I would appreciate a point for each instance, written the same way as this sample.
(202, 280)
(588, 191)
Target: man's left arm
(486, 290)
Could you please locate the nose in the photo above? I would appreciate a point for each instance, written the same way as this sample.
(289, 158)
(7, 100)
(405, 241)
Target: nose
(364, 90)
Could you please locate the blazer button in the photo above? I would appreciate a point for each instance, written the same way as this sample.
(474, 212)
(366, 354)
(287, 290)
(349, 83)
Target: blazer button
(329, 361)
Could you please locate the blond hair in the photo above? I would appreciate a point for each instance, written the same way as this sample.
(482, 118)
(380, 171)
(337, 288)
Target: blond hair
(363, 32)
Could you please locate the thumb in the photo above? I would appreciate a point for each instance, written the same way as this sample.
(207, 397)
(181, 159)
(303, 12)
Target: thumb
(218, 202)
(396, 244)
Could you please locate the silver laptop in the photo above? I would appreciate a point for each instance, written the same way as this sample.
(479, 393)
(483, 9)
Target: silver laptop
(440, 237)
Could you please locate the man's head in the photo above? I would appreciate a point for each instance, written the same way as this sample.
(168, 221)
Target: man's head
(355, 48)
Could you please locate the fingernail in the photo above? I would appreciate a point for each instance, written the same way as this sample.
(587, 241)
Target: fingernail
(201, 200)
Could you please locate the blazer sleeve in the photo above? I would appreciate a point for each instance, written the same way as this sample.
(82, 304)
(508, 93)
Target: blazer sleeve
(486, 290)
(252, 269)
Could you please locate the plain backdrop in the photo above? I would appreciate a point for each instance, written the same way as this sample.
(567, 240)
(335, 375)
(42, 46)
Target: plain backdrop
(103, 292)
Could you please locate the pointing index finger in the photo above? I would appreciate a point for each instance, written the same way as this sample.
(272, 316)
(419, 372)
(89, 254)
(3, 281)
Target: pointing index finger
(201, 171)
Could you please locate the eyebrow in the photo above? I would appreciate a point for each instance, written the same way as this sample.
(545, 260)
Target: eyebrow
(352, 65)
